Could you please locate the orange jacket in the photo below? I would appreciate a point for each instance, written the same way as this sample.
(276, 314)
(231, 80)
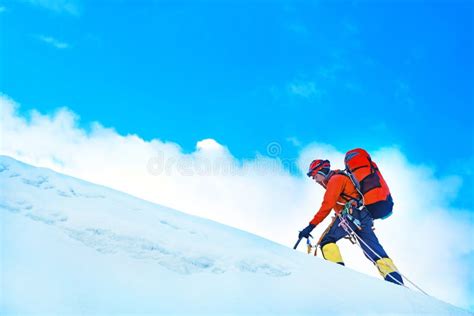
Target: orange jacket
(339, 190)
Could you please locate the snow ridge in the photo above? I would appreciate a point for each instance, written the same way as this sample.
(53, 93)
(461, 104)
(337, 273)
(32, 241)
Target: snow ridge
(105, 240)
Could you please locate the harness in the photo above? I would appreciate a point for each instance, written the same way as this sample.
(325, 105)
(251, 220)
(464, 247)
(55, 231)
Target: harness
(346, 213)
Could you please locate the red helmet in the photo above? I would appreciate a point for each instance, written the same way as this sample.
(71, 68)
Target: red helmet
(319, 166)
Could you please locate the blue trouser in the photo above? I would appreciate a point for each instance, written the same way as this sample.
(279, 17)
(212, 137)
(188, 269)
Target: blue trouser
(369, 239)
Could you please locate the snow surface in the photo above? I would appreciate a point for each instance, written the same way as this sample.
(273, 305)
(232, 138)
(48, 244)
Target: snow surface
(72, 247)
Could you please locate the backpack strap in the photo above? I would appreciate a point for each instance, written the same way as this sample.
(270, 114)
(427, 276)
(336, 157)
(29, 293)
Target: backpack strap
(347, 197)
(355, 183)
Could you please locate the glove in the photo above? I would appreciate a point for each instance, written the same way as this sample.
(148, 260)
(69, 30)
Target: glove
(306, 233)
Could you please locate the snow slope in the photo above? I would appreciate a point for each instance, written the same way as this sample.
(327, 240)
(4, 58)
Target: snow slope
(72, 247)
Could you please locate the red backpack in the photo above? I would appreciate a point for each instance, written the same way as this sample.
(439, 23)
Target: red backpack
(367, 178)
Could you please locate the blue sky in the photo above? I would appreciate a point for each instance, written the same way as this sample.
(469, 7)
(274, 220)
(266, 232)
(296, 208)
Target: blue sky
(370, 74)
(246, 73)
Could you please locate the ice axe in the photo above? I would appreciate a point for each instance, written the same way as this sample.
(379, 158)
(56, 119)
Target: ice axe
(299, 240)
(297, 243)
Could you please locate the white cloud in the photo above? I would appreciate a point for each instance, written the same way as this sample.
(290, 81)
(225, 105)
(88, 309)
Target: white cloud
(209, 144)
(53, 42)
(428, 239)
(71, 7)
(294, 141)
(305, 89)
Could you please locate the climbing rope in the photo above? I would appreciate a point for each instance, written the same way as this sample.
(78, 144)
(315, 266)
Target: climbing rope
(351, 232)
